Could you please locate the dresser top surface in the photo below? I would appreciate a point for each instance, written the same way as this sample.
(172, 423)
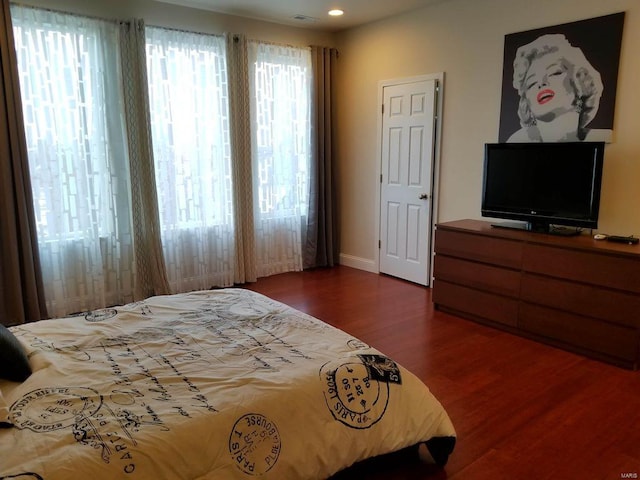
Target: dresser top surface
(584, 241)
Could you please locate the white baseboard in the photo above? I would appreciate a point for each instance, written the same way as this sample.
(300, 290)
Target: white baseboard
(359, 263)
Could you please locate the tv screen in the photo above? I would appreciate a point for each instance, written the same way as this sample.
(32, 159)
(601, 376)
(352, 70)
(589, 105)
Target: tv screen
(543, 184)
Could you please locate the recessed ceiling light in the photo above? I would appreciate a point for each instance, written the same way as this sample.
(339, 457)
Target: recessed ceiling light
(336, 12)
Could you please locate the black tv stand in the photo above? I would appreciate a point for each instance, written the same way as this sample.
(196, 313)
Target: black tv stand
(564, 231)
(540, 228)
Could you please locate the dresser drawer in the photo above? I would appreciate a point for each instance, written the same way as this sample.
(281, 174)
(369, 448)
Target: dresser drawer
(610, 271)
(584, 333)
(485, 277)
(474, 303)
(481, 248)
(572, 292)
(583, 299)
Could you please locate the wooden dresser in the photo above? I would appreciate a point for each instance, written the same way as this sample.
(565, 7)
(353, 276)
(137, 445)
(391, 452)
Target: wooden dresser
(575, 293)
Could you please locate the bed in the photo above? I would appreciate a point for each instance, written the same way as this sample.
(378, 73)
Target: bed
(219, 384)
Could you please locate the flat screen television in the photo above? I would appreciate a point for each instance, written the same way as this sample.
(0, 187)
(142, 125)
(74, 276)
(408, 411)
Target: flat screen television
(549, 186)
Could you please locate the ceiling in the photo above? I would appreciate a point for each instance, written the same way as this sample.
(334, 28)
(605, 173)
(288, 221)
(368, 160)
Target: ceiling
(309, 13)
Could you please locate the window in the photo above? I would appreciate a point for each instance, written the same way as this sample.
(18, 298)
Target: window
(68, 69)
(71, 84)
(281, 89)
(281, 109)
(189, 107)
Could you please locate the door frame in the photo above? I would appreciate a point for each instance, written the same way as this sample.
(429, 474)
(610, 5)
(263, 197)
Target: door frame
(437, 140)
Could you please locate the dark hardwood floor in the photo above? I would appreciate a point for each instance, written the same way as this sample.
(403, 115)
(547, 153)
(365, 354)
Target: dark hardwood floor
(522, 410)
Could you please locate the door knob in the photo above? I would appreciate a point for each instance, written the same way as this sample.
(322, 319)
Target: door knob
(423, 196)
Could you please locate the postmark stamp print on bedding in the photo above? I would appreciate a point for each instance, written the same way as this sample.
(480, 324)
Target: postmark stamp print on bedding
(381, 368)
(100, 315)
(53, 408)
(357, 344)
(255, 444)
(356, 390)
(23, 476)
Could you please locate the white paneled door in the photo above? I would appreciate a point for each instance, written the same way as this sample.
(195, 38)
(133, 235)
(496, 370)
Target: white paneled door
(408, 133)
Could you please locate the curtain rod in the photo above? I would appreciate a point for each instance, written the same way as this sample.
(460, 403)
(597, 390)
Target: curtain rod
(277, 44)
(120, 21)
(62, 12)
(183, 30)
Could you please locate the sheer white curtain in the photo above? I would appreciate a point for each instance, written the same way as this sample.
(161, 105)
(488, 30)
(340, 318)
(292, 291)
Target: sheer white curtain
(187, 76)
(71, 82)
(72, 104)
(280, 79)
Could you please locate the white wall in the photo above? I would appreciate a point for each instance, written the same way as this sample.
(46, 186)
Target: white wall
(465, 40)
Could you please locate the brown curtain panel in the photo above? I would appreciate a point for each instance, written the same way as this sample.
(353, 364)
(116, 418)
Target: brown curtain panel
(240, 120)
(321, 244)
(21, 289)
(151, 274)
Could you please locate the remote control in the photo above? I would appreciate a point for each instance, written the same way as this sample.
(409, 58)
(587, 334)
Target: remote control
(631, 240)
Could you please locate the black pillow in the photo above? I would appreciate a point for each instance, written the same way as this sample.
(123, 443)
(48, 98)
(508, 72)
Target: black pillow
(14, 364)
